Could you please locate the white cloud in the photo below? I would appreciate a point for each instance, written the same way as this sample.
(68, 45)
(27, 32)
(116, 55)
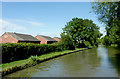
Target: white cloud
(7, 26)
(35, 23)
(52, 34)
(21, 26)
(30, 23)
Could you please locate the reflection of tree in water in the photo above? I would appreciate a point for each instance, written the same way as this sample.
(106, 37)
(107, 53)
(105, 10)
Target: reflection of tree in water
(89, 61)
(114, 58)
(83, 60)
(116, 62)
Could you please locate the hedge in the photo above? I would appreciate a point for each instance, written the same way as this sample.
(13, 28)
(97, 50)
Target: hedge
(19, 51)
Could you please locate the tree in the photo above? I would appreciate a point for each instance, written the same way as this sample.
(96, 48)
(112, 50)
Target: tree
(67, 42)
(109, 14)
(82, 30)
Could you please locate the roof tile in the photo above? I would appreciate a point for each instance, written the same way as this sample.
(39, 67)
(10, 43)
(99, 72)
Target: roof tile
(22, 37)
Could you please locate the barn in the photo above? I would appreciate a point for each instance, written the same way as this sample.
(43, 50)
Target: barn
(57, 39)
(12, 37)
(45, 39)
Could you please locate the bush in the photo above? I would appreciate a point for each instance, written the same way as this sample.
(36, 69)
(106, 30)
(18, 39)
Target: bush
(34, 58)
(66, 42)
(86, 44)
(19, 51)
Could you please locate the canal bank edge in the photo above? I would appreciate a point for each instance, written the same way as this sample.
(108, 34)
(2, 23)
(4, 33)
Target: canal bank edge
(6, 69)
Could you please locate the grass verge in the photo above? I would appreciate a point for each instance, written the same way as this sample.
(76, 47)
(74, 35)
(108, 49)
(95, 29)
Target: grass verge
(8, 68)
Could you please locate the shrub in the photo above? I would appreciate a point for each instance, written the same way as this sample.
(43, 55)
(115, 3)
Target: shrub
(19, 51)
(67, 42)
(34, 58)
(86, 44)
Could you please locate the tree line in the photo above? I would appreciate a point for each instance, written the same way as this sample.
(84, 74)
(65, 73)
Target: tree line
(109, 14)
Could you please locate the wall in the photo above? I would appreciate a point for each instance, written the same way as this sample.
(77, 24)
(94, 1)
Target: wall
(6, 38)
(56, 39)
(41, 39)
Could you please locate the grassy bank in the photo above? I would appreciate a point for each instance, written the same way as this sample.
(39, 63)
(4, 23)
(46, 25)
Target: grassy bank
(8, 68)
(20, 51)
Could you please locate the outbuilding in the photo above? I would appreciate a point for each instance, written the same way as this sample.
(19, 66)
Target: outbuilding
(12, 37)
(57, 39)
(45, 39)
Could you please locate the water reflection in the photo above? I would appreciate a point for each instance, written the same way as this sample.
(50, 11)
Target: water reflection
(96, 62)
(115, 61)
(106, 69)
(81, 64)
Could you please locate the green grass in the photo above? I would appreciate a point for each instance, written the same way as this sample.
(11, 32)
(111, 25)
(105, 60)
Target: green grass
(16, 64)
(12, 64)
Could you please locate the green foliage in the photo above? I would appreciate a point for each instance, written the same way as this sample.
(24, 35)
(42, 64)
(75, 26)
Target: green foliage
(64, 44)
(34, 58)
(19, 51)
(67, 42)
(105, 40)
(114, 45)
(86, 44)
(82, 29)
(109, 13)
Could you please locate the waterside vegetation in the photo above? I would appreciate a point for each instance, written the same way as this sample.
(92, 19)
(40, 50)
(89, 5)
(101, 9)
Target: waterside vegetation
(8, 68)
(109, 14)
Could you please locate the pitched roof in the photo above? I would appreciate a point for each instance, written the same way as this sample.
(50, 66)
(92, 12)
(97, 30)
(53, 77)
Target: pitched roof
(57, 37)
(47, 38)
(22, 37)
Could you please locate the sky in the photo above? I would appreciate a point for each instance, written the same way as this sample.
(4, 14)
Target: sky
(43, 18)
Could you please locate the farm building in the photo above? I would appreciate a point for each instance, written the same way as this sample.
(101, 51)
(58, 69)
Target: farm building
(57, 38)
(12, 37)
(45, 39)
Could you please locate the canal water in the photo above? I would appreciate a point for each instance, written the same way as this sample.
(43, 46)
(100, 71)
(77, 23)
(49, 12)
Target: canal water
(97, 62)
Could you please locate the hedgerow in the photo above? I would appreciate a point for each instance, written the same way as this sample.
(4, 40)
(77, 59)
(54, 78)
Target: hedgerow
(19, 51)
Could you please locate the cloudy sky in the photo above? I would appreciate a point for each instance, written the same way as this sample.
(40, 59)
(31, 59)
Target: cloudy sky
(45, 18)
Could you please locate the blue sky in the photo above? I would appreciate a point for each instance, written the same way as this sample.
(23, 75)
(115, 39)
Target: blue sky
(45, 18)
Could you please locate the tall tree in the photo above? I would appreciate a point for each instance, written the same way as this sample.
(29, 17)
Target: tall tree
(85, 30)
(109, 13)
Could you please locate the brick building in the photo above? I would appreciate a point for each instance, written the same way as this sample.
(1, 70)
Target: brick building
(57, 39)
(45, 39)
(10, 37)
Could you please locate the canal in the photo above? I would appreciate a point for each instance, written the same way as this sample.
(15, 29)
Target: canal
(97, 62)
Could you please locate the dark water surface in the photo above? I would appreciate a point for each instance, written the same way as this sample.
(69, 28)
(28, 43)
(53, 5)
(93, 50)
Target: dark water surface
(97, 62)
